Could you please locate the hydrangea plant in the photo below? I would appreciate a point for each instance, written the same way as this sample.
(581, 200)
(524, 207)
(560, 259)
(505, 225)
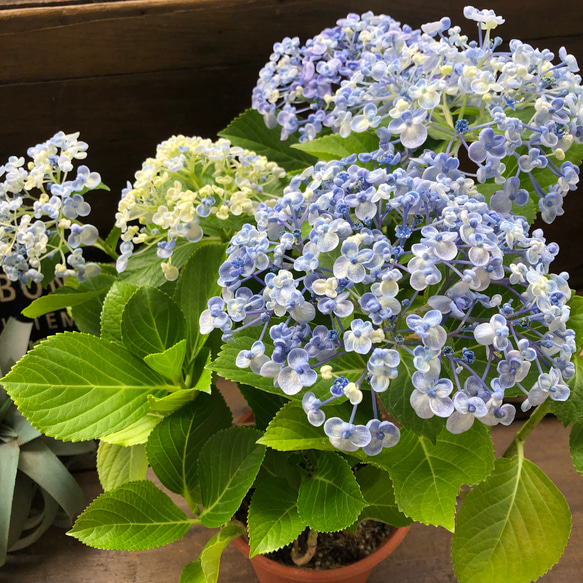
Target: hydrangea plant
(370, 277)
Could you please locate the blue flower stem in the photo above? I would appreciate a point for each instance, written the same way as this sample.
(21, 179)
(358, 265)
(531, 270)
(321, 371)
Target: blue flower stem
(516, 446)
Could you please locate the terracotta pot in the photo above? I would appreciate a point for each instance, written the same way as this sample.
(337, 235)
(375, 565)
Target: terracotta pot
(269, 571)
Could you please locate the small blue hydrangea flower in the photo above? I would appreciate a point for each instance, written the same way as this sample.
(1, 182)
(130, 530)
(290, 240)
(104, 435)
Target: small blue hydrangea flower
(346, 436)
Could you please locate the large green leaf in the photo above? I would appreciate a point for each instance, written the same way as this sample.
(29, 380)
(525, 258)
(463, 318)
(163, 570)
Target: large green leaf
(117, 465)
(133, 517)
(113, 306)
(397, 401)
(512, 528)
(197, 284)
(248, 131)
(576, 446)
(75, 386)
(571, 410)
(334, 147)
(174, 445)
(206, 568)
(9, 453)
(273, 520)
(427, 477)
(151, 322)
(377, 491)
(330, 498)
(227, 466)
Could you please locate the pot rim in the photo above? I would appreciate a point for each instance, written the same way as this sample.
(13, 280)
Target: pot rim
(366, 564)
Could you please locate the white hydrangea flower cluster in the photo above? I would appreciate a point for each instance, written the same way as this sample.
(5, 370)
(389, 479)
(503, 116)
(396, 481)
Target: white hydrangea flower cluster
(39, 210)
(190, 183)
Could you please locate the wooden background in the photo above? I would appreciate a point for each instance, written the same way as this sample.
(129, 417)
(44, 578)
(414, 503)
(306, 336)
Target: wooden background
(128, 74)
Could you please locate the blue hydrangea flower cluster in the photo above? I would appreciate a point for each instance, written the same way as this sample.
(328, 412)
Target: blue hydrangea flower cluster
(387, 266)
(190, 179)
(512, 112)
(41, 203)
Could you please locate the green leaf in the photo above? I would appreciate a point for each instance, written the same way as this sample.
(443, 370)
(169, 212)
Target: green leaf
(169, 362)
(206, 568)
(136, 433)
(264, 405)
(134, 517)
(113, 306)
(75, 386)
(144, 265)
(205, 376)
(151, 322)
(397, 401)
(280, 464)
(330, 499)
(227, 466)
(117, 465)
(197, 284)
(171, 402)
(62, 297)
(570, 411)
(576, 446)
(9, 453)
(512, 528)
(334, 147)
(291, 431)
(174, 445)
(273, 520)
(249, 131)
(576, 319)
(427, 477)
(377, 491)
(87, 315)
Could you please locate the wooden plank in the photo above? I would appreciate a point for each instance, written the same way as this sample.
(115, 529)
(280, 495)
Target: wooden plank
(143, 36)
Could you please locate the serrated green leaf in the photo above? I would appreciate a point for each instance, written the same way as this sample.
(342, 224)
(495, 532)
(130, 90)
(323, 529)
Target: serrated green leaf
(9, 454)
(280, 464)
(87, 315)
(334, 147)
(377, 491)
(204, 380)
(144, 266)
(113, 305)
(249, 131)
(75, 386)
(273, 520)
(227, 466)
(512, 528)
(197, 284)
(171, 402)
(151, 322)
(117, 465)
(570, 411)
(168, 363)
(193, 573)
(291, 431)
(330, 499)
(134, 517)
(175, 444)
(427, 477)
(62, 297)
(576, 446)
(136, 433)
(397, 401)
